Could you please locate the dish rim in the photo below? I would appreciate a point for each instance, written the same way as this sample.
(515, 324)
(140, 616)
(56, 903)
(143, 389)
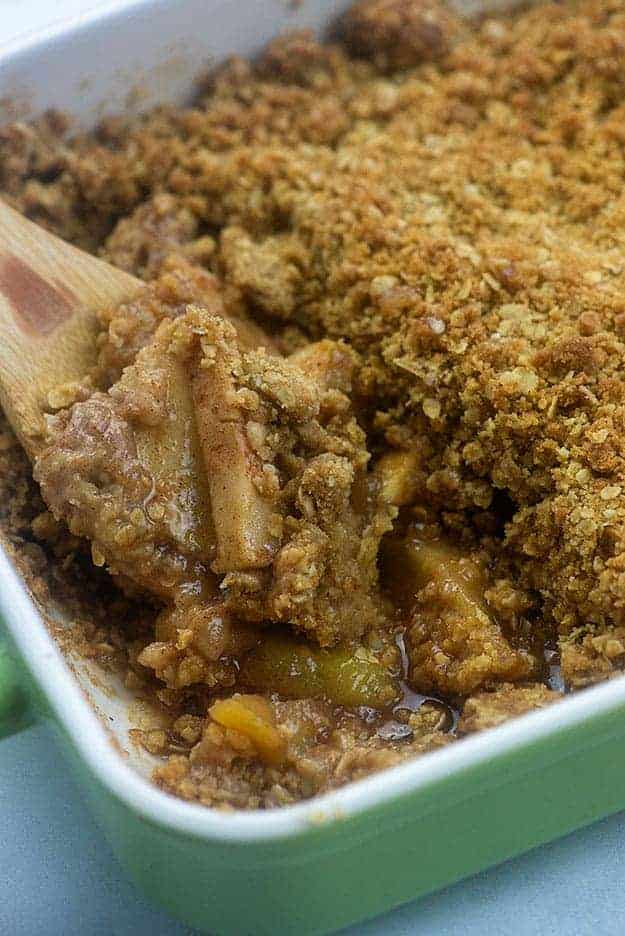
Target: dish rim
(47, 666)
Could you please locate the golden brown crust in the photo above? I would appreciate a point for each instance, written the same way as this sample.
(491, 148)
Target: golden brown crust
(489, 709)
(399, 33)
(429, 216)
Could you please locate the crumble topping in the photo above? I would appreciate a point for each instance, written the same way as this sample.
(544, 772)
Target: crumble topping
(355, 455)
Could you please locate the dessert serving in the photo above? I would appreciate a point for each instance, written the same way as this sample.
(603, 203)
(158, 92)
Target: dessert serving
(345, 482)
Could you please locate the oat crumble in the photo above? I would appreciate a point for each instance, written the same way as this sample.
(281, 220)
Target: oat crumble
(354, 459)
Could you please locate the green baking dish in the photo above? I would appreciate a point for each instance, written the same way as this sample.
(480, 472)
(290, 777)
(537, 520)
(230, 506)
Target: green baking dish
(318, 865)
(322, 864)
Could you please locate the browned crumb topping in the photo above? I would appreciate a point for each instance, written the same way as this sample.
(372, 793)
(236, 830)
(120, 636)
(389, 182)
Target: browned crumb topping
(384, 322)
(489, 709)
(57, 567)
(395, 34)
(320, 752)
(591, 654)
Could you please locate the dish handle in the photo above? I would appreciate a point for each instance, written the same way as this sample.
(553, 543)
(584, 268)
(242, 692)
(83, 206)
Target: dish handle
(15, 714)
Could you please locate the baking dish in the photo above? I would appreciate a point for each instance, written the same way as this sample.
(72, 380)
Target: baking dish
(321, 864)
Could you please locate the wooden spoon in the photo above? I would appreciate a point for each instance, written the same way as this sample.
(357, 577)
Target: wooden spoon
(49, 295)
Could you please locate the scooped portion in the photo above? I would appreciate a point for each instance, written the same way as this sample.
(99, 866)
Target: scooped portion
(224, 479)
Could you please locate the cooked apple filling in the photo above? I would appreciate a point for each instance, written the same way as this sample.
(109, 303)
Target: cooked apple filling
(347, 481)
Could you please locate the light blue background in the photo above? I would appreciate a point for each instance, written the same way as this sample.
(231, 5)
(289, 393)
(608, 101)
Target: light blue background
(58, 877)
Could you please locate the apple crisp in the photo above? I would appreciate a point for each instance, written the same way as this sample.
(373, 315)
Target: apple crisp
(347, 481)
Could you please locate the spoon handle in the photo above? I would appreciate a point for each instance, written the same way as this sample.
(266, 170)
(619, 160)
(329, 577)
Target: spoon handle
(49, 295)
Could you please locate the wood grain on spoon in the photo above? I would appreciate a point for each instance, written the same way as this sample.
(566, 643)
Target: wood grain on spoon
(49, 295)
